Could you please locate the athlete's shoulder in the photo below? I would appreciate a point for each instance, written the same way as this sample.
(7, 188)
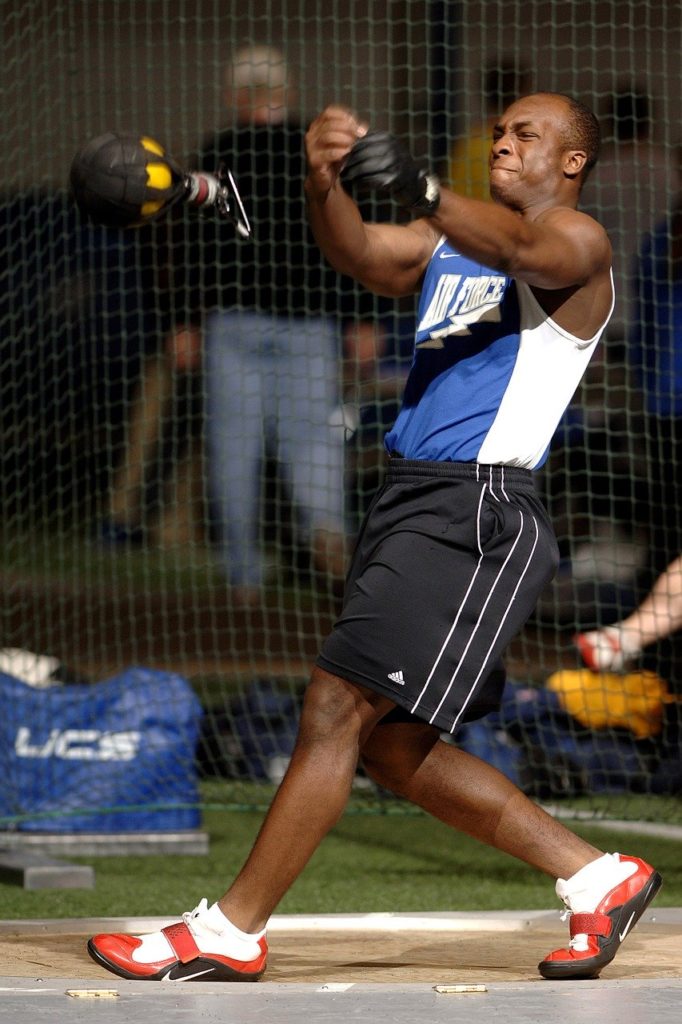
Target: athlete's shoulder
(425, 230)
(570, 217)
(578, 227)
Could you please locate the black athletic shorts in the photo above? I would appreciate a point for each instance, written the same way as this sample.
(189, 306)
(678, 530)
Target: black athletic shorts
(449, 564)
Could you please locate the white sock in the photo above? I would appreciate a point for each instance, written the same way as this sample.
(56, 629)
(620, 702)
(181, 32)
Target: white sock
(213, 933)
(214, 919)
(584, 890)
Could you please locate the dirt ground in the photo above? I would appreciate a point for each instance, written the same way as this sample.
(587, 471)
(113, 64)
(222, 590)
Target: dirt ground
(467, 957)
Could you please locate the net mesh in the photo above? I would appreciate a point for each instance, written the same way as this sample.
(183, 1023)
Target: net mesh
(154, 508)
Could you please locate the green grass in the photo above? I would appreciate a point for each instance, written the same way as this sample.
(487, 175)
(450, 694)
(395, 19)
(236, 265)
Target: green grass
(369, 863)
(69, 559)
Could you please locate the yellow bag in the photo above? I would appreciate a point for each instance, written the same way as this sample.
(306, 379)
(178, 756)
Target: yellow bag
(600, 700)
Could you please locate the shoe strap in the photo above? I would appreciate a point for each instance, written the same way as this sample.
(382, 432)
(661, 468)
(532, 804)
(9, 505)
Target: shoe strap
(181, 942)
(590, 924)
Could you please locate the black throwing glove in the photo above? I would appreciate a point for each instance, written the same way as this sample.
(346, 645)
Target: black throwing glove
(379, 161)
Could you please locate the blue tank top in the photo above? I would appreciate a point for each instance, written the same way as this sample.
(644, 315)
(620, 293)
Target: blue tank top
(491, 375)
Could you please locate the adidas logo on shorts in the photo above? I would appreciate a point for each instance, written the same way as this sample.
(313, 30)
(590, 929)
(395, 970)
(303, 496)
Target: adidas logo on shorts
(397, 677)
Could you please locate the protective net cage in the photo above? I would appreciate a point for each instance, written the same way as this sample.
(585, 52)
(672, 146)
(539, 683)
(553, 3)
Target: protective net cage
(192, 421)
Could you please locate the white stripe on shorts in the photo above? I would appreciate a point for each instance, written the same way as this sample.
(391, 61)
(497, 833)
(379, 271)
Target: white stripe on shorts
(476, 626)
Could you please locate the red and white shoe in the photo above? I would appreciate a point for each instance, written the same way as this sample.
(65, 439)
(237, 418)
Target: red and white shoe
(204, 946)
(604, 901)
(609, 649)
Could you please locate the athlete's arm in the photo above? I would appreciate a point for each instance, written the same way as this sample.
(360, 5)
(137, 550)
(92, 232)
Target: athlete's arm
(564, 255)
(556, 249)
(389, 259)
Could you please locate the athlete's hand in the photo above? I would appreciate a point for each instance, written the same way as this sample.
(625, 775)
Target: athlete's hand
(380, 161)
(329, 140)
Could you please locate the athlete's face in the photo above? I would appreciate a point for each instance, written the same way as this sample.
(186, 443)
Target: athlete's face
(528, 153)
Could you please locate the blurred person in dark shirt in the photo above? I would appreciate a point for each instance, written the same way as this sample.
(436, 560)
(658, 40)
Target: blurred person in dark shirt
(266, 315)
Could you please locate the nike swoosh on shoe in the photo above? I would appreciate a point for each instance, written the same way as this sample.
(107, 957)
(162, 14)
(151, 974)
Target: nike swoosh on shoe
(187, 977)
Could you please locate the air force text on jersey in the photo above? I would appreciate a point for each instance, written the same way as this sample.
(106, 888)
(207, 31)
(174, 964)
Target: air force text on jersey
(458, 301)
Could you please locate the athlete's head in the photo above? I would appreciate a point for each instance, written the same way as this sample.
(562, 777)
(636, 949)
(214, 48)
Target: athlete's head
(544, 146)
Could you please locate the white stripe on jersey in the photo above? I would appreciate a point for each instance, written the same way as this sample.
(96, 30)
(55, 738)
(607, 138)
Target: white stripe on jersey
(549, 366)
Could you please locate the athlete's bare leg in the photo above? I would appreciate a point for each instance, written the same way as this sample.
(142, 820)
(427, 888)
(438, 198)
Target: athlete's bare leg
(336, 719)
(471, 796)
(339, 720)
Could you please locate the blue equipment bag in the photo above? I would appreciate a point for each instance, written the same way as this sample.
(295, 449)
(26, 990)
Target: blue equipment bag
(112, 756)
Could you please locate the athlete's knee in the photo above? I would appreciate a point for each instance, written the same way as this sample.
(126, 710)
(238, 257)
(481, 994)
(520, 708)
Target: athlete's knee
(335, 709)
(393, 754)
(386, 773)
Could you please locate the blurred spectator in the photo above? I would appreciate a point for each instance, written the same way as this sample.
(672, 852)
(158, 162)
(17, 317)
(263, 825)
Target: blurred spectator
(614, 647)
(655, 351)
(155, 493)
(72, 347)
(268, 314)
(375, 371)
(628, 190)
(599, 479)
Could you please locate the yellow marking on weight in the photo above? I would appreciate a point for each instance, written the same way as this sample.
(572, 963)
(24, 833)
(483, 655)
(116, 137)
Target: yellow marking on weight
(159, 176)
(149, 209)
(152, 145)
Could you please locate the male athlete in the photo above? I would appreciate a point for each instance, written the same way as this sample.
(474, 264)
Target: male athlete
(456, 546)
